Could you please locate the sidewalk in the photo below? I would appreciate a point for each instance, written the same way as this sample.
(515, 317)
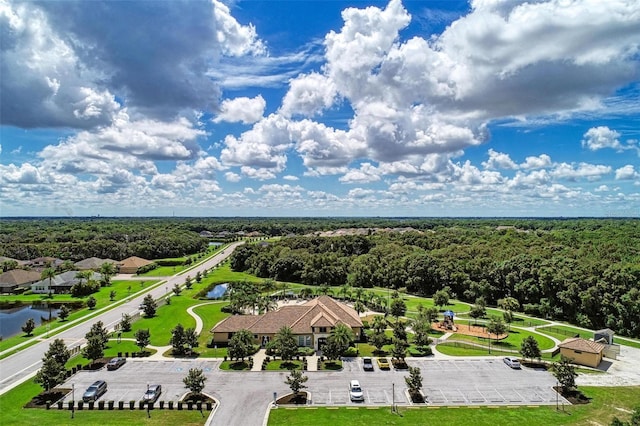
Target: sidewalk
(257, 360)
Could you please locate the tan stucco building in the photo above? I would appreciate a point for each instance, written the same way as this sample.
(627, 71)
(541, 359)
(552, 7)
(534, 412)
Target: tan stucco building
(582, 351)
(310, 322)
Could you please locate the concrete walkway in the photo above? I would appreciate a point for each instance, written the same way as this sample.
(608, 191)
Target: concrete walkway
(257, 360)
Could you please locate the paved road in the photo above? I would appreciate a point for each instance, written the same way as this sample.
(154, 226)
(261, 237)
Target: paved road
(245, 396)
(22, 365)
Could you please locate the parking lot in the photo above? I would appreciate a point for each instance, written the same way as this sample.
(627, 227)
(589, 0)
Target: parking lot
(244, 396)
(445, 382)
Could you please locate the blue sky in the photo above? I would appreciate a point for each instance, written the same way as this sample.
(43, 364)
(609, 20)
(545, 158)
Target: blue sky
(320, 108)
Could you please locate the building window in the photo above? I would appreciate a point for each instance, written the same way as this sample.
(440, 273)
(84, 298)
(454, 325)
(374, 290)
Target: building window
(229, 335)
(323, 329)
(578, 352)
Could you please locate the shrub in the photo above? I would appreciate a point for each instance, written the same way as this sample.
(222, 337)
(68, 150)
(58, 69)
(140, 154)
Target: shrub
(306, 351)
(351, 352)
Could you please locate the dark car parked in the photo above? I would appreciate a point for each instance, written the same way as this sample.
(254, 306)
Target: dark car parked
(367, 364)
(115, 363)
(94, 391)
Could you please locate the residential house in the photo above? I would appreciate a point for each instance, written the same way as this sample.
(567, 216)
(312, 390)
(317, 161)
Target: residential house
(15, 278)
(310, 322)
(582, 351)
(92, 264)
(44, 262)
(61, 283)
(130, 265)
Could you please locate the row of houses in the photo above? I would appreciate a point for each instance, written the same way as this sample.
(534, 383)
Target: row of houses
(30, 274)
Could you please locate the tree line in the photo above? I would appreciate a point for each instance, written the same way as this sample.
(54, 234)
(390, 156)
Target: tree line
(584, 274)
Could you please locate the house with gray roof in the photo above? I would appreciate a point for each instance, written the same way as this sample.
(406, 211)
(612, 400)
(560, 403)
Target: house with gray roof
(92, 263)
(61, 283)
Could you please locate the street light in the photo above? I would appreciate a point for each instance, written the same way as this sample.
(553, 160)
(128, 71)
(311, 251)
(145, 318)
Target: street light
(73, 399)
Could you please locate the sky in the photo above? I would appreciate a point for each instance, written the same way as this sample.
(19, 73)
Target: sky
(320, 108)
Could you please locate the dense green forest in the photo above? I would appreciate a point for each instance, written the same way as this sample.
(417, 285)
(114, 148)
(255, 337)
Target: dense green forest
(586, 271)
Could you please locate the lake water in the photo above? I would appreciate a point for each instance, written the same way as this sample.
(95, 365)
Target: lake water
(218, 291)
(12, 320)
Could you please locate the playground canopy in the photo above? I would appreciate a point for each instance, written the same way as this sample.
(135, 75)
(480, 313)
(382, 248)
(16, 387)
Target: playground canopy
(448, 314)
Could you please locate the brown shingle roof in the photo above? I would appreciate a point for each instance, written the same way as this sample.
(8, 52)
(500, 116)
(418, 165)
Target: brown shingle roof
(578, 344)
(19, 277)
(134, 262)
(234, 323)
(320, 312)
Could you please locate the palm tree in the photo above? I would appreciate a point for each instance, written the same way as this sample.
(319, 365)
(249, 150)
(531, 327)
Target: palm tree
(345, 291)
(83, 275)
(107, 270)
(359, 293)
(306, 292)
(359, 307)
(379, 323)
(48, 273)
(266, 304)
(342, 336)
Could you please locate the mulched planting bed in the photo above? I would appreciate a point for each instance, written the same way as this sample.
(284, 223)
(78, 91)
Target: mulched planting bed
(416, 398)
(575, 397)
(299, 399)
(197, 397)
(54, 395)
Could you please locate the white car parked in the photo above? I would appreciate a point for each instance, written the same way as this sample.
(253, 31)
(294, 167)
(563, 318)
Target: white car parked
(512, 361)
(355, 391)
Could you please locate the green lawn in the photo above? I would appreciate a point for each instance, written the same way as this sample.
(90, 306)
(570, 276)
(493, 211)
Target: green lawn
(464, 349)
(512, 341)
(165, 271)
(112, 349)
(280, 365)
(523, 321)
(210, 314)
(413, 302)
(601, 411)
(12, 402)
(234, 365)
(632, 343)
(166, 318)
(562, 332)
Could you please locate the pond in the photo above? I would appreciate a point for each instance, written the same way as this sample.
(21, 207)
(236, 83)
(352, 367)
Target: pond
(218, 291)
(215, 244)
(12, 320)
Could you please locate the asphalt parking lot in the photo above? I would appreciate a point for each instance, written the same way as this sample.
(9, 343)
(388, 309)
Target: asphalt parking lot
(244, 396)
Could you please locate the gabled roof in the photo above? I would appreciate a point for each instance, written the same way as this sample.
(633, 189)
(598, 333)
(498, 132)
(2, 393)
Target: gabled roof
(320, 312)
(19, 277)
(66, 279)
(134, 262)
(583, 345)
(92, 263)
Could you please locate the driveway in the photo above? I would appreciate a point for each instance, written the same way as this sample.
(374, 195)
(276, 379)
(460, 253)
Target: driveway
(245, 396)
